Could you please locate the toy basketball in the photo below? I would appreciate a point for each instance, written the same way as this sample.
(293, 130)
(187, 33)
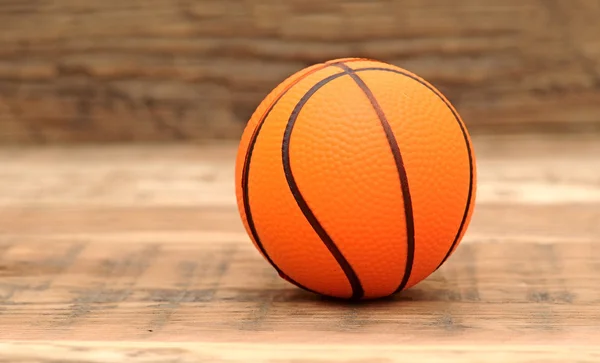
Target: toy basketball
(355, 179)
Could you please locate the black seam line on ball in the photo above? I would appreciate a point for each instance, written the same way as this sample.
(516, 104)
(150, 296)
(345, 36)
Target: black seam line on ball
(467, 143)
(357, 289)
(403, 178)
(245, 178)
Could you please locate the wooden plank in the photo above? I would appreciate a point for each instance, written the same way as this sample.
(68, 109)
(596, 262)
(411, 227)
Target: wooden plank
(195, 70)
(528, 292)
(90, 271)
(109, 352)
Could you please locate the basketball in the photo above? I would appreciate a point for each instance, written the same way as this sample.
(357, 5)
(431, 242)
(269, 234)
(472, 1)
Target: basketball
(355, 179)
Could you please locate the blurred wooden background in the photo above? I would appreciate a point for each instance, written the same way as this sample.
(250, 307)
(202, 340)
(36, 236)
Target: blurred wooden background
(160, 70)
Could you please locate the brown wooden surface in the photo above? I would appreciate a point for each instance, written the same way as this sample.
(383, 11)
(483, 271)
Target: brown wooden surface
(137, 254)
(110, 70)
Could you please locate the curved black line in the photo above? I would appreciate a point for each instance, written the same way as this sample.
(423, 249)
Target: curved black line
(408, 208)
(357, 289)
(467, 143)
(245, 194)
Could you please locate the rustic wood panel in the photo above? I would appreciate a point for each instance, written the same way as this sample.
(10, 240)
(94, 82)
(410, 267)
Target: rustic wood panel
(113, 70)
(105, 257)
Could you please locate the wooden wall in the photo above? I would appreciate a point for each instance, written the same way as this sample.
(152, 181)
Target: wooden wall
(140, 70)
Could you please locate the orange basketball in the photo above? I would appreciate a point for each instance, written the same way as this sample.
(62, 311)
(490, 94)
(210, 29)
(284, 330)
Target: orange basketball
(355, 179)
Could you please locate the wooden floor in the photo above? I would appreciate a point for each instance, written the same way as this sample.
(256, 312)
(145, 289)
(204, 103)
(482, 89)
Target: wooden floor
(137, 254)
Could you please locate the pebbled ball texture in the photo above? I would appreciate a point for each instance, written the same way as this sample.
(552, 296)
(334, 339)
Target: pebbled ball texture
(355, 179)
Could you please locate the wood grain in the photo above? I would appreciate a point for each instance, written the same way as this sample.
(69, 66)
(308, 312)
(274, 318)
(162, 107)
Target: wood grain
(238, 353)
(137, 253)
(145, 70)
